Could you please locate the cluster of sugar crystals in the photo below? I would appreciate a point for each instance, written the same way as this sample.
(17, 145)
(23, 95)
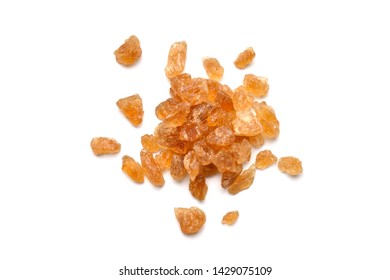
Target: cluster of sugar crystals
(206, 128)
(205, 125)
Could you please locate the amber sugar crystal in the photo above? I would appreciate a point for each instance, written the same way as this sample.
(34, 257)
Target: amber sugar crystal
(198, 187)
(191, 164)
(241, 99)
(256, 85)
(266, 116)
(176, 59)
(178, 171)
(290, 165)
(265, 159)
(105, 145)
(220, 137)
(149, 142)
(151, 168)
(213, 68)
(190, 220)
(164, 159)
(228, 177)
(230, 218)
(243, 181)
(245, 58)
(246, 124)
(129, 52)
(133, 169)
(132, 108)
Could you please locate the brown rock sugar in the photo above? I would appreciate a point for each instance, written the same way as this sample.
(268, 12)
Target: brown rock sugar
(205, 128)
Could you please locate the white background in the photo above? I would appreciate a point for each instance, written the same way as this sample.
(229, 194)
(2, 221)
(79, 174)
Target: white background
(67, 214)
